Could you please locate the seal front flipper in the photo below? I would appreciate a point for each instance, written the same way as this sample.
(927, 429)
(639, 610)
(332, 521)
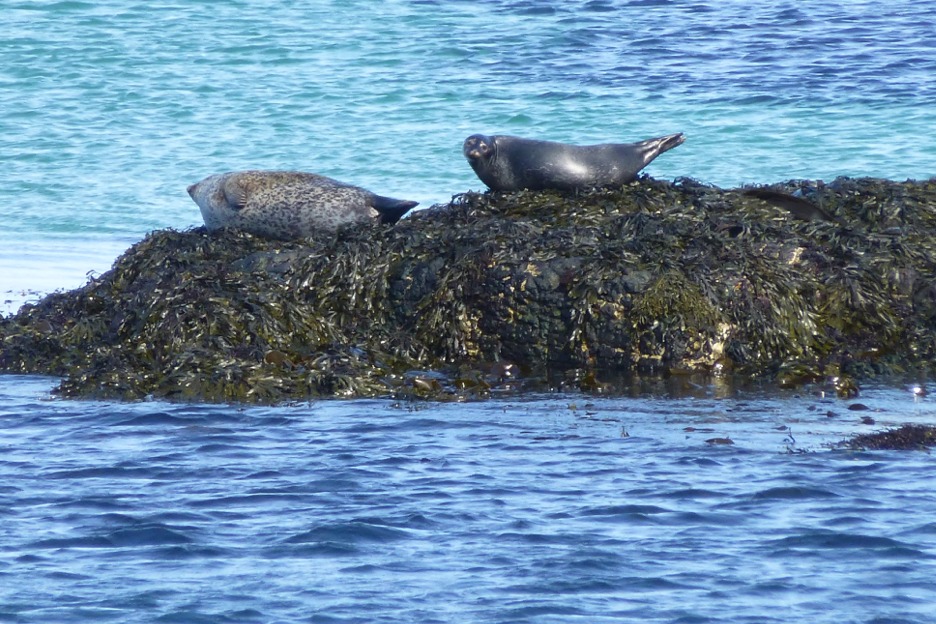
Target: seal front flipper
(234, 192)
(391, 210)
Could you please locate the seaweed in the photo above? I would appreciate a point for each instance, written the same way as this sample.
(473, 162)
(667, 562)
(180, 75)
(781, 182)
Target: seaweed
(651, 279)
(907, 437)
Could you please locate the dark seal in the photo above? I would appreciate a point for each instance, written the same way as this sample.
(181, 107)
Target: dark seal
(509, 163)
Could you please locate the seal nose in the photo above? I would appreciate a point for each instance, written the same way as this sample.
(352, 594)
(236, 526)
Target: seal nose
(469, 149)
(475, 148)
(191, 190)
(472, 147)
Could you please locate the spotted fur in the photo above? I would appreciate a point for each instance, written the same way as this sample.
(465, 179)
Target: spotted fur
(288, 204)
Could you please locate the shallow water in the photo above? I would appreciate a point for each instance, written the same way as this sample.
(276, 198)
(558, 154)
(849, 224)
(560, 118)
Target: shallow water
(513, 510)
(553, 508)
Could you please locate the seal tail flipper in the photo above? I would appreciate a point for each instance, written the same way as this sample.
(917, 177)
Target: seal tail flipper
(655, 147)
(391, 210)
(651, 148)
(671, 141)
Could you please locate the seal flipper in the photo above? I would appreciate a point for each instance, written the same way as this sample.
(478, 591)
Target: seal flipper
(669, 142)
(391, 210)
(798, 207)
(234, 193)
(655, 147)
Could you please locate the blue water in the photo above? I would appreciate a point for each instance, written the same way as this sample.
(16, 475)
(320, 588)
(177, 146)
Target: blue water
(553, 508)
(109, 110)
(535, 510)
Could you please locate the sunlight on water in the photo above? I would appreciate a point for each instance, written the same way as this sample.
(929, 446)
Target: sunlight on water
(545, 508)
(550, 509)
(111, 122)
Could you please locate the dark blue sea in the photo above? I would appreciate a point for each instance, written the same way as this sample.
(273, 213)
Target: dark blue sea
(689, 503)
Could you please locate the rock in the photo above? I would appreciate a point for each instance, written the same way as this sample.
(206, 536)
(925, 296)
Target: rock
(644, 280)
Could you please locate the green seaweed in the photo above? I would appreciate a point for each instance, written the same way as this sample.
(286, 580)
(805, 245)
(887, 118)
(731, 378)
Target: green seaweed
(654, 279)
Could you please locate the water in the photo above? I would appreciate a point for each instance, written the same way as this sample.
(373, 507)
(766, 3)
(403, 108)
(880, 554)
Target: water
(546, 509)
(514, 510)
(108, 111)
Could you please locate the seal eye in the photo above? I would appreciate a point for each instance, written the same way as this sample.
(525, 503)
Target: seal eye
(476, 147)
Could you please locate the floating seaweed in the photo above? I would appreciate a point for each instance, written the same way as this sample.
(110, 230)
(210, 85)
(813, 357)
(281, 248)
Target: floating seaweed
(652, 279)
(908, 437)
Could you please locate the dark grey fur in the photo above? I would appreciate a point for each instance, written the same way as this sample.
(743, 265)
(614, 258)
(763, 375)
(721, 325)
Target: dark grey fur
(509, 163)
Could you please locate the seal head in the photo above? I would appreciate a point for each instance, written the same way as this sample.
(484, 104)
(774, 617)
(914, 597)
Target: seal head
(288, 204)
(509, 163)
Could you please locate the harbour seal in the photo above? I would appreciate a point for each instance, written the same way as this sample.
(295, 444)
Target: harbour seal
(288, 204)
(509, 163)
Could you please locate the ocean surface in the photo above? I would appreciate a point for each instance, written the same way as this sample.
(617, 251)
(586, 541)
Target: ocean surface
(549, 508)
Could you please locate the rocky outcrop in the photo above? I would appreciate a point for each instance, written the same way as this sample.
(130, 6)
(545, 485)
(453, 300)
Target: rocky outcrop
(655, 278)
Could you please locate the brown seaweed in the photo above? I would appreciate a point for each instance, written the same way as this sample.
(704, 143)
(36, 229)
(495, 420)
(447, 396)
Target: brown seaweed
(652, 279)
(908, 437)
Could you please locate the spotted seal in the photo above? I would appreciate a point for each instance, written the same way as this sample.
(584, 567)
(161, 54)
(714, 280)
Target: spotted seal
(288, 204)
(509, 163)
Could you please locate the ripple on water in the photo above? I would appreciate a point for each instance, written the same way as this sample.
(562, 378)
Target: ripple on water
(847, 546)
(509, 518)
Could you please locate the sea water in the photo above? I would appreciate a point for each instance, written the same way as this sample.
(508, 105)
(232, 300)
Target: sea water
(553, 508)
(697, 507)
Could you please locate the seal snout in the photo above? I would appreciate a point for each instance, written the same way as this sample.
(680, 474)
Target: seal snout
(475, 147)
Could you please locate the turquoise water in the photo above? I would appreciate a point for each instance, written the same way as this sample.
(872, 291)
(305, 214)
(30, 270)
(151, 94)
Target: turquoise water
(509, 511)
(108, 111)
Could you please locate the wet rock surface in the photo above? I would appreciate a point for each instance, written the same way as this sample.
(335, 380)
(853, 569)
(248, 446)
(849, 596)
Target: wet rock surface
(509, 290)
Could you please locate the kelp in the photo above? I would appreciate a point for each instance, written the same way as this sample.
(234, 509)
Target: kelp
(907, 437)
(652, 279)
